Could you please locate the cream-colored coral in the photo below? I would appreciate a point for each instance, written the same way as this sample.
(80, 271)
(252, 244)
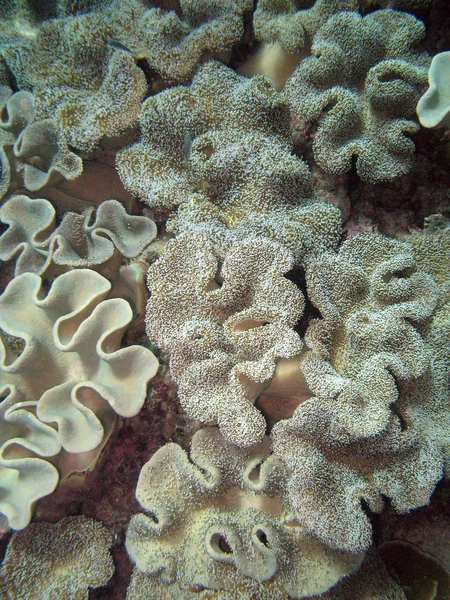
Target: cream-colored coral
(26, 442)
(433, 108)
(241, 151)
(306, 230)
(60, 560)
(224, 326)
(360, 87)
(332, 479)
(220, 521)
(70, 367)
(81, 240)
(279, 21)
(32, 153)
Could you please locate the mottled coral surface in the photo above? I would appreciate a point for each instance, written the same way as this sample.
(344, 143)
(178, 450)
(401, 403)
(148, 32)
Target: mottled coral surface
(275, 146)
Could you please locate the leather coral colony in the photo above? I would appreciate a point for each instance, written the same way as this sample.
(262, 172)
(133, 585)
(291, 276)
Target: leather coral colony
(307, 363)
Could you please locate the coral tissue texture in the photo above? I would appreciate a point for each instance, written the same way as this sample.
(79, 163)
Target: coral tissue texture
(60, 560)
(224, 327)
(279, 21)
(220, 521)
(32, 153)
(81, 240)
(380, 375)
(360, 87)
(221, 149)
(61, 360)
(93, 85)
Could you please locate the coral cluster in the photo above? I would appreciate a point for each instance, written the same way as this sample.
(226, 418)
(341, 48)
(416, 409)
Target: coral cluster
(225, 327)
(94, 84)
(279, 22)
(31, 152)
(376, 364)
(305, 375)
(59, 560)
(226, 525)
(360, 87)
(61, 362)
(81, 240)
(240, 178)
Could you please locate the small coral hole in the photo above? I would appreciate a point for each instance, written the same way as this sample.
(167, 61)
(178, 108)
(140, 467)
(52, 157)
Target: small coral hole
(262, 537)
(208, 150)
(220, 544)
(255, 474)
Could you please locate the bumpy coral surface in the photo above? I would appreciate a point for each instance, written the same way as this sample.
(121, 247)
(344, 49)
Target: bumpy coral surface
(94, 83)
(360, 87)
(226, 523)
(31, 153)
(62, 353)
(221, 149)
(81, 240)
(239, 155)
(378, 424)
(280, 22)
(60, 560)
(224, 326)
(368, 295)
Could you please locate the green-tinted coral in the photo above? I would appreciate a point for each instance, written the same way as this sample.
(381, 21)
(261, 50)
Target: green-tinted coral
(279, 21)
(360, 87)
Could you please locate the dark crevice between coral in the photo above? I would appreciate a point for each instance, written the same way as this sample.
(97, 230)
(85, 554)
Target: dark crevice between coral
(395, 410)
(366, 509)
(220, 542)
(298, 277)
(247, 45)
(11, 79)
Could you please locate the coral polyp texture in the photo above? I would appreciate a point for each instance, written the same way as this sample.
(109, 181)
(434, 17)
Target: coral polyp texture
(221, 149)
(433, 108)
(360, 88)
(94, 84)
(237, 191)
(227, 524)
(377, 362)
(32, 153)
(371, 296)
(279, 21)
(224, 327)
(60, 560)
(81, 240)
(61, 359)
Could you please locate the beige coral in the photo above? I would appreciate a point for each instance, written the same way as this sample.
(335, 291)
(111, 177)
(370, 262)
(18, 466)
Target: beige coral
(331, 479)
(26, 443)
(33, 153)
(81, 240)
(62, 352)
(224, 326)
(222, 521)
(89, 71)
(368, 295)
(279, 21)
(60, 560)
